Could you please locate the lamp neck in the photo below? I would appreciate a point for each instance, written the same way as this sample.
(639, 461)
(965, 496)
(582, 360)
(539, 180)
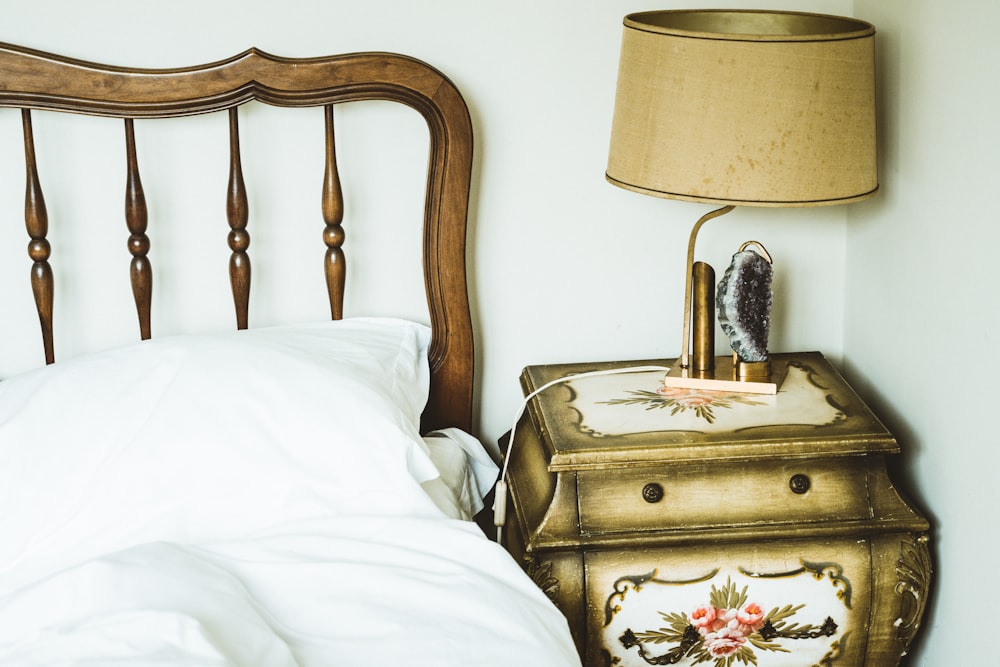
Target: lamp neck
(685, 352)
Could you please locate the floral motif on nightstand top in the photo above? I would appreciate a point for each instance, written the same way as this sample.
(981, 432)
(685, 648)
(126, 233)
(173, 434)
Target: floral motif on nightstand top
(726, 625)
(699, 401)
(615, 405)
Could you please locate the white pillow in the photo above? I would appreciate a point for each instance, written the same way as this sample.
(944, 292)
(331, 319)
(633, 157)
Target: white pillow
(467, 473)
(213, 437)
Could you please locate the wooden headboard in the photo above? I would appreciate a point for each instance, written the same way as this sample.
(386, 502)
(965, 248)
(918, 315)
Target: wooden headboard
(32, 79)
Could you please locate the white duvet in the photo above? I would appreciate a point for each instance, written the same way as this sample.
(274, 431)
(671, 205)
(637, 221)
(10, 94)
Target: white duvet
(262, 498)
(337, 592)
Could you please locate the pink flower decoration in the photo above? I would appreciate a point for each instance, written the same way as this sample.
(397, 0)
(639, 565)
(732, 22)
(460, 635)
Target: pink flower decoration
(703, 618)
(724, 642)
(695, 400)
(672, 391)
(751, 617)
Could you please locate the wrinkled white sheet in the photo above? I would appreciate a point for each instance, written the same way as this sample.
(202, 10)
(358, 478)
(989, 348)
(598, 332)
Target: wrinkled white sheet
(190, 508)
(344, 591)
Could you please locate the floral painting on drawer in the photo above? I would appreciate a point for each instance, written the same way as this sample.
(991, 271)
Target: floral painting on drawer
(797, 617)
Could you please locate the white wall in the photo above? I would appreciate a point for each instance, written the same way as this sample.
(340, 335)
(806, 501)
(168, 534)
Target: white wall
(922, 314)
(564, 266)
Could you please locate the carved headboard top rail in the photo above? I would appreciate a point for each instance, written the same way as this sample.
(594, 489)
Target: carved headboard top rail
(32, 79)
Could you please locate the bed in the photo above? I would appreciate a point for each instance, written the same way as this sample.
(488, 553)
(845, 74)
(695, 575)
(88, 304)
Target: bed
(292, 494)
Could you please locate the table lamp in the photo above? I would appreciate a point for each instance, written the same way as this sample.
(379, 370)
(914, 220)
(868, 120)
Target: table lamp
(742, 108)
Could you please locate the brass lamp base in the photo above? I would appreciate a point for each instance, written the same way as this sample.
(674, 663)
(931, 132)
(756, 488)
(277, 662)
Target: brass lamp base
(732, 375)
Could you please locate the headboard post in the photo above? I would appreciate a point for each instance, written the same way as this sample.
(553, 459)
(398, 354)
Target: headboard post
(335, 266)
(136, 218)
(238, 213)
(32, 79)
(36, 219)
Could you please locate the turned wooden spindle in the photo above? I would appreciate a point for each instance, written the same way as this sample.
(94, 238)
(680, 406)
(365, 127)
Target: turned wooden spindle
(237, 212)
(30, 79)
(335, 265)
(36, 220)
(136, 217)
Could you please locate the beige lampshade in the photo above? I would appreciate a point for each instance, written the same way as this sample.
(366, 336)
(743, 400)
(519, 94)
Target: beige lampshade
(753, 108)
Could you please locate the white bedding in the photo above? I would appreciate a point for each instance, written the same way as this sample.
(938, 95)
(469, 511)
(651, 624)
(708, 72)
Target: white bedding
(216, 500)
(337, 592)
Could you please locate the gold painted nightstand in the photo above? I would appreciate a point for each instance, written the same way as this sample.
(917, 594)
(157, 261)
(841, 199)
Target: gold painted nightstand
(686, 527)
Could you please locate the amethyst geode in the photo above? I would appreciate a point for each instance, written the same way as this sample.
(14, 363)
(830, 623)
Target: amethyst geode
(744, 305)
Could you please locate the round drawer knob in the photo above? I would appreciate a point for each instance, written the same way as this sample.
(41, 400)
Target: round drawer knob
(799, 483)
(652, 493)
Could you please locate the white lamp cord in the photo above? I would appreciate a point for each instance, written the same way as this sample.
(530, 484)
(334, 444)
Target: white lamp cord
(500, 497)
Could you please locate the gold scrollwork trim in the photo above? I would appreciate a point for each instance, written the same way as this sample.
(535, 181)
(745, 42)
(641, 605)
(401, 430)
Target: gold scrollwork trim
(541, 574)
(834, 571)
(635, 582)
(914, 574)
(836, 650)
(813, 377)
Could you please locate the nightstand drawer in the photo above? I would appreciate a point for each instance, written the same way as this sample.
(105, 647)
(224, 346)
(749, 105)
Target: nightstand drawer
(722, 494)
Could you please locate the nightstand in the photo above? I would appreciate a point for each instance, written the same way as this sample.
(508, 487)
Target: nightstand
(687, 527)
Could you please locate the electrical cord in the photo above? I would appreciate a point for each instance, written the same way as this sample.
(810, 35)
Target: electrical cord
(500, 495)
